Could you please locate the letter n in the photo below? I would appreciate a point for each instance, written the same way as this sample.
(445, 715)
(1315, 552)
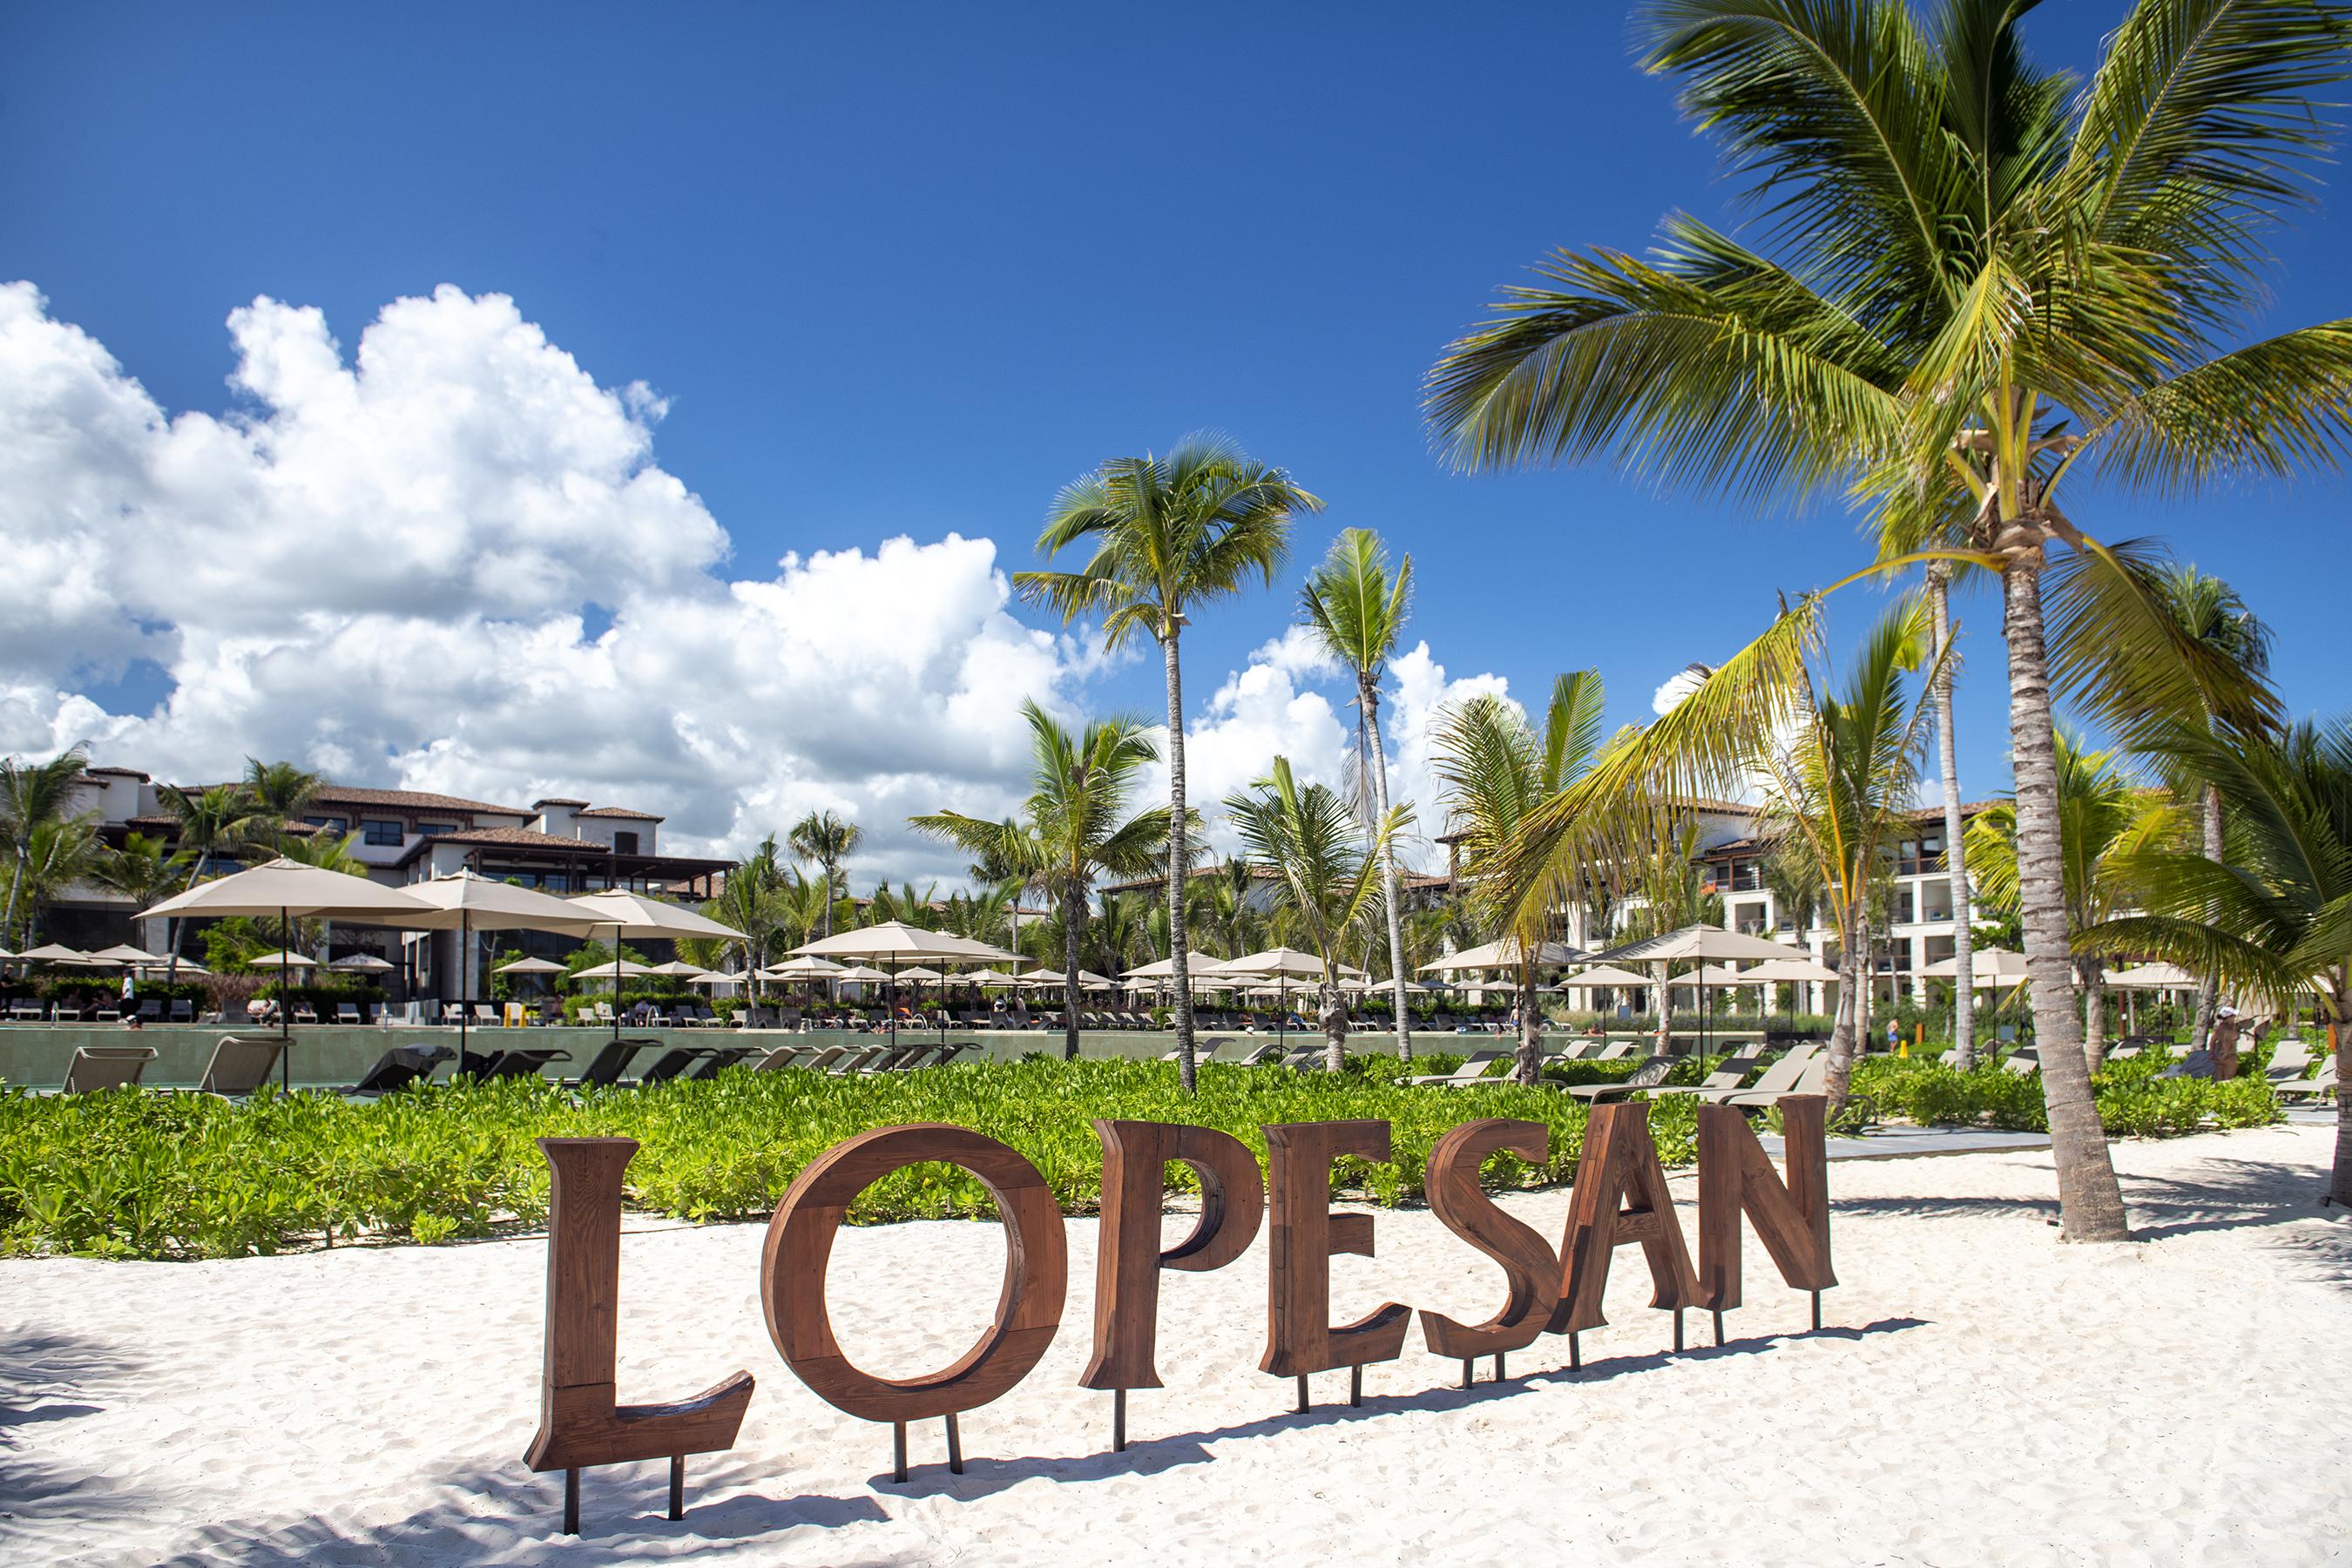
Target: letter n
(1792, 1218)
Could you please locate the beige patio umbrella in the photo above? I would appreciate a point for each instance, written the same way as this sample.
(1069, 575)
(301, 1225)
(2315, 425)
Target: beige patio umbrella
(467, 902)
(1502, 953)
(618, 970)
(1607, 974)
(864, 974)
(369, 963)
(1992, 966)
(676, 969)
(2153, 977)
(526, 966)
(895, 944)
(287, 889)
(802, 969)
(1699, 943)
(1278, 964)
(627, 914)
(122, 956)
(282, 961)
(1799, 970)
(54, 952)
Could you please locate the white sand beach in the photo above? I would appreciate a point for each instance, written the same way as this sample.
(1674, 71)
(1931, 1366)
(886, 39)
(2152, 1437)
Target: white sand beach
(1982, 1394)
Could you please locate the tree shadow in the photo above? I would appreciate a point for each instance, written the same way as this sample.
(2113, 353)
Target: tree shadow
(50, 1377)
(1149, 1455)
(481, 1510)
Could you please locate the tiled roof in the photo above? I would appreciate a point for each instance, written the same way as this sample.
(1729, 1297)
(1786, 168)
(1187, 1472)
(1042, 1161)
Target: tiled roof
(518, 838)
(620, 811)
(118, 773)
(414, 800)
(556, 800)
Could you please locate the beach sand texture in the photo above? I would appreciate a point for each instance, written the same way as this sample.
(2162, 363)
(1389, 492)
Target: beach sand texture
(1982, 1394)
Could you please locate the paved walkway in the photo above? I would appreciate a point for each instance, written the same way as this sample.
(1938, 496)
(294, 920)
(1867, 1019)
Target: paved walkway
(1908, 1142)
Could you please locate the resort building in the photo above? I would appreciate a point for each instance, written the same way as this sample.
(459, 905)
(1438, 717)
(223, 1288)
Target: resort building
(556, 845)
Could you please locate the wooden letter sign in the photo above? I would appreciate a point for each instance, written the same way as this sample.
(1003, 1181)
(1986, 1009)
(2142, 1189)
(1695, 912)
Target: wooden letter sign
(1128, 1261)
(1792, 1220)
(800, 1243)
(1306, 1235)
(579, 1422)
(1528, 1260)
(1618, 1163)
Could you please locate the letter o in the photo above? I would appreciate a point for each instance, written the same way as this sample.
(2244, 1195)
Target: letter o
(799, 1245)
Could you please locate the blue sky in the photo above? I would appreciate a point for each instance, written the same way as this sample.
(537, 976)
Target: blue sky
(907, 270)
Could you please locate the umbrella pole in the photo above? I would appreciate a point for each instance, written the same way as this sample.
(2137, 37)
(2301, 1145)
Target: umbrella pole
(285, 1007)
(464, 978)
(890, 1006)
(616, 982)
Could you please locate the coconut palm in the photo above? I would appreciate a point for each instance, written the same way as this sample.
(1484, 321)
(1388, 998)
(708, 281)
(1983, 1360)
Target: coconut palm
(1326, 870)
(145, 870)
(209, 824)
(1355, 602)
(1978, 286)
(1492, 770)
(33, 794)
(827, 838)
(2104, 819)
(1168, 534)
(1077, 824)
(280, 793)
(1955, 860)
(2271, 913)
(752, 900)
(2210, 613)
(1837, 791)
(58, 854)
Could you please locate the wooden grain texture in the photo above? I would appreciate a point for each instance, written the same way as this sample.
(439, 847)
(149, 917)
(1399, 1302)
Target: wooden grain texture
(1619, 1198)
(1129, 1259)
(1304, 1234)
(1792, 1218)
(799, 1245)
(580, 1421)
(1530, 1267)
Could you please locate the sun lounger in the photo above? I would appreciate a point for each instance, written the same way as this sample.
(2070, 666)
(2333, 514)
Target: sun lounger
(25, 1012)
(674, 1063)
(1474, 1067)
(95, 1068)
(780, 1059)
(2025, 1062)
(2288, 1059)
(717, 1060)
(1615, 1051)
(1725, 1080)
(1813, 1076)
(66, 1013)
(523, 1063)
(151, 1011)
(611, 1061)
(240, 1064)
(347, 1012)
(400, 1067)
(1649, 1075)
(183, 1011)
(2318, 1087)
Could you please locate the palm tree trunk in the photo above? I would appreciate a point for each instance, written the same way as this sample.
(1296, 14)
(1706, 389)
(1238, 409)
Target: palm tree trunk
(2208, 989)
(827, 866)
(1074, 915)
(2339, 1028)
(1530, 1069)
(15, 882)
(1333, 1015)
(1368, 695)
(2090, 1204)
(1845, 1028)
(1964, 995)
(1664, 996)
(1180, 973)
(2095, 1013)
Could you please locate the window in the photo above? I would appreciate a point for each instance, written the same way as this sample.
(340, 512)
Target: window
(435, 830)
(625, 843)
(382, 832)
(331, 823)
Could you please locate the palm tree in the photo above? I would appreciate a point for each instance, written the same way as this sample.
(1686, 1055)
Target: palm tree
(1837, 794)
(329, 852)
(1356, 603)
(2106, 822)
(824, 837)
(1168, 534)
(145, 870)
(2210, 613)
(280, 793)
(1494, 770)
(214, 821)
(1955, 860)
(1981, 286)
(61, 853)
(33, 794)
(1077, 826)
(1326, 872)
(2273, 911)
(752, 899)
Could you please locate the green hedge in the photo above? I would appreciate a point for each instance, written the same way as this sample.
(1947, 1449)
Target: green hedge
(134, 1174)
(2133, 1100)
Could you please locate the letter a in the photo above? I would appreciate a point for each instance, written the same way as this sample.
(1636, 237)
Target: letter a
(1618, 1163)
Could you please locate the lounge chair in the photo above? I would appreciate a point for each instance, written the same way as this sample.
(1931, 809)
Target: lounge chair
(2288, 1059)
(955, 1048)
(183, 1011)
(2315, 1088)
(857, 1060)
(674, 1062)
(400, 1067)
(611, 1060)
(1725, 1080)
(240, 1064)
(1474, 1067)
(523, 1063)
(1812, 1077)
(95, 1068)
(2025, 1062)
(781, 1057)
(896, 1059)
(347, 1012)
(151, 1011)
(1649, 1075)
(716, 1061)
(66, 1013)
(1615, 1051)
(25, 1012)
(305, 1014)
(486, 1016)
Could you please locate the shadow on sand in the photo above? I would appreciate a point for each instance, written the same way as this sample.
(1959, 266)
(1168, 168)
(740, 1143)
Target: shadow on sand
(49, 1377)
